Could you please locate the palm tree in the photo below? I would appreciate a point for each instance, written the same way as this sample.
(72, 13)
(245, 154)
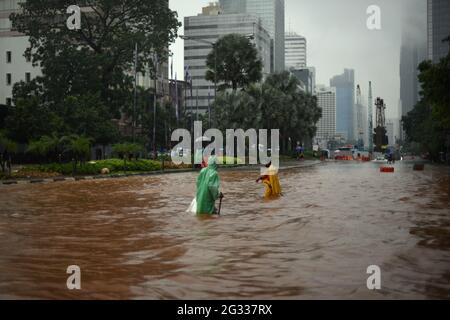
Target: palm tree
(44, 147)
(234, 61)
(78, 147)
(127, 150)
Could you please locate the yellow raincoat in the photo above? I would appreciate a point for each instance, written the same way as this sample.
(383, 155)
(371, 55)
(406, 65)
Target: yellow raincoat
(272, 183)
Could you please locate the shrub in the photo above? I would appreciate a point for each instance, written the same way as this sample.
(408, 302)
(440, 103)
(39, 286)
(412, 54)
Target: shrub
(92, 168)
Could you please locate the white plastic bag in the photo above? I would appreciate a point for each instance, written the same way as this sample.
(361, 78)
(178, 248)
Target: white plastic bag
(193, 207)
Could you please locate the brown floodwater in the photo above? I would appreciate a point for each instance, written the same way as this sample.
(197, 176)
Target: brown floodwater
(132, 238)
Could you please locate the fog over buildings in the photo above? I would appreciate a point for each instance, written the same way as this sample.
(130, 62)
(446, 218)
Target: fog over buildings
(338, 38)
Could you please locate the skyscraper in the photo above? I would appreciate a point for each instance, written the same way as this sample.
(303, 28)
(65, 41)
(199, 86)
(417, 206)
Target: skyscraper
(295, 51)
(326, 127)
(205, 29)
(307, 76)
(345, 102)
(438, 29)
(271, 13)
(390, 132)
(412, 52)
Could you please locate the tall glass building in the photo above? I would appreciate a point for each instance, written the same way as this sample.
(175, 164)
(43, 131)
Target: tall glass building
(326, 127)
(345, 103)
(412, 52)
(205, 29)
(295, 51)
(438, 29)
(271, 13)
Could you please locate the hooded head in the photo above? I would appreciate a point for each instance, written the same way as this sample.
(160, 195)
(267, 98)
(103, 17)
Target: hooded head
(212, 163)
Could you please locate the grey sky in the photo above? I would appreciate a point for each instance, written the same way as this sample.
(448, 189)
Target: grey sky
(337, 38)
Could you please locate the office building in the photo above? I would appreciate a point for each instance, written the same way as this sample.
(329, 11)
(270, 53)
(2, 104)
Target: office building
(14, 67)
(390, 132)
(307, 77)
(326, 127)
(345, 103)
(272, 17)
(412, 52)
(295, 51)
(438, 14)
(205, 29)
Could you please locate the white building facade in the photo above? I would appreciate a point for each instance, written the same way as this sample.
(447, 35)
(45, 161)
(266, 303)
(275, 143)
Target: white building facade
(295, 51)
(14, 67)
(326, 127)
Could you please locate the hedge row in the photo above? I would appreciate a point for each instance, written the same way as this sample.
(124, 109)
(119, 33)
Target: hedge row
(113, 165)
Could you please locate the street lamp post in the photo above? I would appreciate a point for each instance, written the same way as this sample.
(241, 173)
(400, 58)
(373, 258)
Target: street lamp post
(155, 62)
(133, 122)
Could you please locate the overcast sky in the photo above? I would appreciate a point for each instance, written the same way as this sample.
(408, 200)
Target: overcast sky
(337, 38)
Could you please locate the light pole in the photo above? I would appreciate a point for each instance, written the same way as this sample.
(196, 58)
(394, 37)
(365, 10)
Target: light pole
(155, 63)
(133, 122)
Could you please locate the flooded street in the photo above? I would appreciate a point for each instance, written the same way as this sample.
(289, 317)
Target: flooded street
(133, 240)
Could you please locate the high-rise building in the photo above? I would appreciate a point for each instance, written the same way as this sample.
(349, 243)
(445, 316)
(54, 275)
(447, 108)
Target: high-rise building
(233, 6)
(438, 29)
(345, 103)
(201, 33)
(307, 77)
(14, 67)
(272, 17)
(326, 127)
(361, 118)
(412, 52)
(390, 132)
(295, 51)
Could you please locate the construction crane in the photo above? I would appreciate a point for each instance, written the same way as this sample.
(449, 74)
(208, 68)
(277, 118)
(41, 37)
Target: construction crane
(380, 138)
(370, 114)
(359, 117)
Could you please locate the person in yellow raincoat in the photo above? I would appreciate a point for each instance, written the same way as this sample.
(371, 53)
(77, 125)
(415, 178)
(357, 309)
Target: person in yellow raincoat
(271, 182)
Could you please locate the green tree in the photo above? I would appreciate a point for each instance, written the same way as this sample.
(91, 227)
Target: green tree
(277, 103)
(236, 110)
(32, 118)
(98, 57)
(236, 61)
(428, 124)
(127, 150)
(45, 146)
(86, 115)
(78, 148)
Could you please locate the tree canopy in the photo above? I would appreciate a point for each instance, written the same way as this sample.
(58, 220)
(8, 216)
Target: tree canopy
(429, 122)
(99, 56)
(235, 58)
(277, 103)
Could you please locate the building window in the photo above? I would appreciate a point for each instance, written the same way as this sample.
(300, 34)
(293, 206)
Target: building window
(27, 77)
(8, 101)
(8, 79)
(8, 57)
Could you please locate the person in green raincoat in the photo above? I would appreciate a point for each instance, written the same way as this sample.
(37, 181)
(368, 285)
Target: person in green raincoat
(208, 185)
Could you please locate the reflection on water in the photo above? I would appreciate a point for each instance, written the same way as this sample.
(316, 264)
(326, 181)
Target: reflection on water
(132, 239)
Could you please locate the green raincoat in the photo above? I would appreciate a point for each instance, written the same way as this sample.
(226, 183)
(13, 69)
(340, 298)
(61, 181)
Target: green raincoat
(208, 184)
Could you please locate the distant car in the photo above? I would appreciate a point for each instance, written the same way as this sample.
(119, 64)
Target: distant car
(380, 159)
